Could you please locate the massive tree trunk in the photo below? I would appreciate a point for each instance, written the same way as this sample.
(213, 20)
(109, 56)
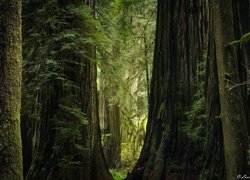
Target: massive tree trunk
(232, 110)
(10, 90)
(68, 133)
(181, 35)
(169, 98)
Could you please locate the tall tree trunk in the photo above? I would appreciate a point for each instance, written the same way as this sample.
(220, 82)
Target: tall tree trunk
(10, 90)
(232, 110)
(181, 35)
(213, 157)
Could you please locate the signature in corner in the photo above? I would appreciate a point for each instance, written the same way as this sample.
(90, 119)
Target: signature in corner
(243, 176)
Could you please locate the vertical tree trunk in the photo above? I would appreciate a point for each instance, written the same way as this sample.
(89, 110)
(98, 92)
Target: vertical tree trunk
(99, 168)
(213, 157)
(232, 110)
(181, 35)
(10, 90)
(110, 126)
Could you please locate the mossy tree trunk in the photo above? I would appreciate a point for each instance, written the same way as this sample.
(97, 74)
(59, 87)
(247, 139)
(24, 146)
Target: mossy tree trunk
(10, 90)
(181, 36)
(232, 109)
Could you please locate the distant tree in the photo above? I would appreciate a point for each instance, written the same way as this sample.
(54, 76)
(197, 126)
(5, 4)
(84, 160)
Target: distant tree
(110, 127)
(10, 90)
(125, 56)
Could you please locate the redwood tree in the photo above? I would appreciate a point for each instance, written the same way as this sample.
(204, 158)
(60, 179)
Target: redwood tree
(181, 36)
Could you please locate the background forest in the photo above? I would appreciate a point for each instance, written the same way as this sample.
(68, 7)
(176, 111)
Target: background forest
(122, 89)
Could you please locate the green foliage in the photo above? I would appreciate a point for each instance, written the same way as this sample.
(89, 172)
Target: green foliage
(118, 175)
(75, 113)
(193, 128)
(129, 156)
(69, 123)
(55, 42)
(55, 49)
(124, 62)
(132, 140)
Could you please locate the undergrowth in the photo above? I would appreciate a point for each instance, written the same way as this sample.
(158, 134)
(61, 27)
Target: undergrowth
(118, 175)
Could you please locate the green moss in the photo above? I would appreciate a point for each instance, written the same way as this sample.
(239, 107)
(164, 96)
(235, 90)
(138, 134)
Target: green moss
(10, 91)
(243, 40)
